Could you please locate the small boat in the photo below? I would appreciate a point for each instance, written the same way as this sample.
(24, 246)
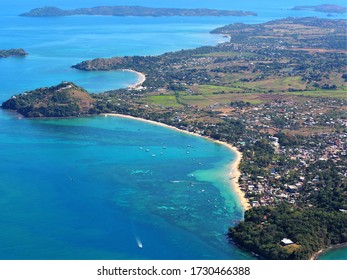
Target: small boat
(139, 242)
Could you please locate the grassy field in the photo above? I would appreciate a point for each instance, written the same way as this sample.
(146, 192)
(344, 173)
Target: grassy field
(341, 94)
(282, 84)
(202, 101)
(211, 99)
(207, 96)
(163, 100)
(210, 89)
(293, 247)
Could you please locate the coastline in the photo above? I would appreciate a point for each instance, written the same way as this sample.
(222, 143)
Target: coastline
(234, 167)
(141, 78)
(316, 255)
(235, 174)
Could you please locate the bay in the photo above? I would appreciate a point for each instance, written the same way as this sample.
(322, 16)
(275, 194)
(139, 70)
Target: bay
(89, 188)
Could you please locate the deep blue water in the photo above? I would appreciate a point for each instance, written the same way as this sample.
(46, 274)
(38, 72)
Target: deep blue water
(87, 188)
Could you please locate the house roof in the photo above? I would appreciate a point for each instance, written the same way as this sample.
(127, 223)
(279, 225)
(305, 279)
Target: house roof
(286, 241)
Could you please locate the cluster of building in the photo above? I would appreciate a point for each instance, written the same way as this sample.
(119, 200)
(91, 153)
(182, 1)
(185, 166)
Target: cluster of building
(290, 115)
(294, 172)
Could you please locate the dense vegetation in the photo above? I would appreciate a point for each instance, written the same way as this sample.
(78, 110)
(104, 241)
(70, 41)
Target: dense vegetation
(310, 230)
(63, 100)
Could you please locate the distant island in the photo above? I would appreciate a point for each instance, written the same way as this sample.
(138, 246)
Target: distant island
(12, 52)
(132, 11)
(63, 100)
(325, 8)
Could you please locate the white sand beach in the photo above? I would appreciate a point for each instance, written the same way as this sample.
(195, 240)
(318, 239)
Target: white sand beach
(141, 78)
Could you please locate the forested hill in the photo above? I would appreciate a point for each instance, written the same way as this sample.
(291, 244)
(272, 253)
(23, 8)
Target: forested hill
(309, 229)
(63, 100)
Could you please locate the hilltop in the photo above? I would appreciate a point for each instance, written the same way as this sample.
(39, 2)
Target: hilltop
(132, 11)
(63, 100)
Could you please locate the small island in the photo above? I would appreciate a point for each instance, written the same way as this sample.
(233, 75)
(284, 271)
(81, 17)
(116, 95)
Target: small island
(132, 11)
(12, 52)
(63, 100)
(325, 8)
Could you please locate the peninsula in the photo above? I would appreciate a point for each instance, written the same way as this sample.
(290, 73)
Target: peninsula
(63, 100)
(132, 11)
(276, 92)
(12, 52)
(325, 8)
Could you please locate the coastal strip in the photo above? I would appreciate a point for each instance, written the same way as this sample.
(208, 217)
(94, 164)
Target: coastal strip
(235, 174)
(316, 255)
(234, 168)
(141, 78)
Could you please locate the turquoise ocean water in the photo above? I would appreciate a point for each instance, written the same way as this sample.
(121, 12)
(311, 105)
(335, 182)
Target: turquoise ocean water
(87, 188)
(92, 188)
(335, 254)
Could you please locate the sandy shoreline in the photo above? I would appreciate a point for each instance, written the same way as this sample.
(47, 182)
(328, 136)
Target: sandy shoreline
(234, 170)
(141, 78)
(235, 174)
